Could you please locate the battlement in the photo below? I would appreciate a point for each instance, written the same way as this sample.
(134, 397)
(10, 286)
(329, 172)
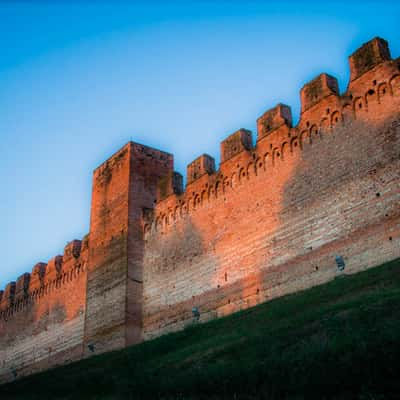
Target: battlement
(172, 183)
(271, 220)
(43, 279)
(22, 286)
(279, 116)
(8, 296)
(202, 165)
(318, 115)
(236, 143)
(275, 125)
(313, 92)
(323, 108)
(370, 54)
(54, 267)
(72, 249)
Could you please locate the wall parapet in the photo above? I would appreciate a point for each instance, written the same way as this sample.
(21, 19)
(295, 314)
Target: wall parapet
(271, 220)
(323, 110)
(280, 115)
(44, 279)
(368, 56)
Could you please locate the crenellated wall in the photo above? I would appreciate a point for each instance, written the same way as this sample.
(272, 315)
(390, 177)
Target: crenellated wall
(42, 318)
(273, 219)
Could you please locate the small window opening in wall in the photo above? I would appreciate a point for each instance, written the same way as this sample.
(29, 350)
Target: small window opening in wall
(258, 291)
(383, 91)
(359, 105)
(295, 144)
(278, 154)
(336, 119)
(260, 165)
(316, 268)
(340, 263)
(226, 276)
(390, 238)
(378, 194)
(374, 82)
(91, 347)
(328, 110)
(351, 97)
(307, 124)
(371, 92)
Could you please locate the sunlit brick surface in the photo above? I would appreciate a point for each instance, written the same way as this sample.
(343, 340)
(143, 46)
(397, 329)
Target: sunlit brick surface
(270, 221)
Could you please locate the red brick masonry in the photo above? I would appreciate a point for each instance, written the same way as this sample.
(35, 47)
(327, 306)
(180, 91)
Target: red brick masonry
(270, 221)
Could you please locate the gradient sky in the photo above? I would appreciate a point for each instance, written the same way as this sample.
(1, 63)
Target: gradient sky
(79, 80)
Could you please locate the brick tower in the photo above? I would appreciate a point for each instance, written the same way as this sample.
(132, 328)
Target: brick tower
(123, 187)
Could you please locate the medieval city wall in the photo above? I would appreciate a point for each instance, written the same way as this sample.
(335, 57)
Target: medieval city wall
(271, 220)
(42, 314)
(274, 216)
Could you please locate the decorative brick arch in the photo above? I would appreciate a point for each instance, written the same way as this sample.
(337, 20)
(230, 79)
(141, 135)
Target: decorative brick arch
(394, 84)
(284, 150)
(383, 91)
(259, 165)
(314, 131)
(336, 118)
(304, 138)
(294, 144)
(250, 169)
(359, 106)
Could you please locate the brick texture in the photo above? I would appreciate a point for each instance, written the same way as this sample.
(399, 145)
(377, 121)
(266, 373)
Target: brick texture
(270, 221)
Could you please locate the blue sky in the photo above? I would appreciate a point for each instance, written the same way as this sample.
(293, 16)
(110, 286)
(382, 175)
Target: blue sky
(79, 80)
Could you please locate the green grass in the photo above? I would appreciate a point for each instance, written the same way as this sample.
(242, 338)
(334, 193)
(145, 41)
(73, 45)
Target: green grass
(336, 341)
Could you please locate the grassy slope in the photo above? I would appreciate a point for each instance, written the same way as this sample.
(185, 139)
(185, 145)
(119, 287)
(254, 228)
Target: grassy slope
(339, 340)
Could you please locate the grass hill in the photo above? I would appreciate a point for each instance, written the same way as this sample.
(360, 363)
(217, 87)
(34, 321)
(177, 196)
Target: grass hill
(336, 341)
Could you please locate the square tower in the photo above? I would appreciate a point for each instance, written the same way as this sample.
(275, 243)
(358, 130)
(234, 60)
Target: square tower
(123, 186)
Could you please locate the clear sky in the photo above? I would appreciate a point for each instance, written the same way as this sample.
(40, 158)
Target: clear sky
(79, 80)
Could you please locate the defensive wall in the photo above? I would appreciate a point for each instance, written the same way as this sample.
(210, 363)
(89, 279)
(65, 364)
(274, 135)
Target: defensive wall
(273, 219)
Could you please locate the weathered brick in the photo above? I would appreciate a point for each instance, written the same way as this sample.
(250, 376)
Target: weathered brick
(270, 221)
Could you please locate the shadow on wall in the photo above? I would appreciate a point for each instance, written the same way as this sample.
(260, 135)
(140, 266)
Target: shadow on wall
(242, 234)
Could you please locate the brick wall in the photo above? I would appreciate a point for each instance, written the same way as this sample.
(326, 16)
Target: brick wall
(273, 218)
(270, 221)
(123, 187)
(43, 325)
